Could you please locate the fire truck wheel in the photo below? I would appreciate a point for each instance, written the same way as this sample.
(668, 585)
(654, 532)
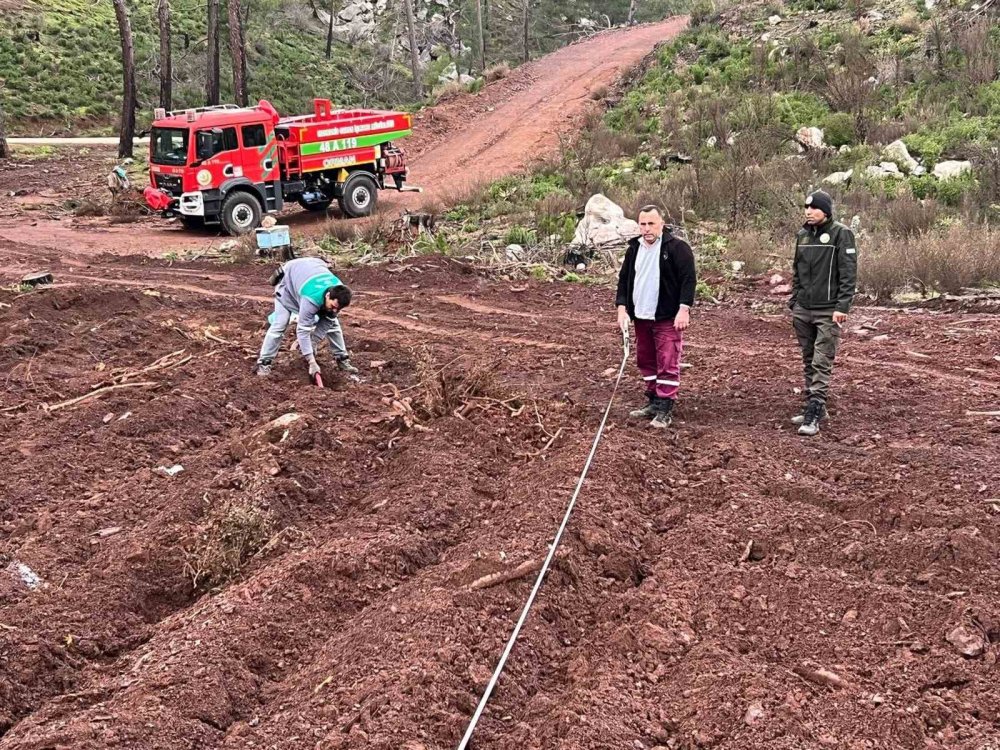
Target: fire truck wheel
(359, 196)
(241, 213)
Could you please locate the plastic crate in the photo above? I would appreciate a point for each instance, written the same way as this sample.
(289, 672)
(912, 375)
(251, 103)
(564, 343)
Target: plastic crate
(273, 237)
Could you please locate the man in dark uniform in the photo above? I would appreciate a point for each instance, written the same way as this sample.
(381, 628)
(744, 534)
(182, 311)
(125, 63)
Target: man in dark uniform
(823, 286)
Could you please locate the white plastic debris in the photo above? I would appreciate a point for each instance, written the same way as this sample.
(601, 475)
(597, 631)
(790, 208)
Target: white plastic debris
(24, 574)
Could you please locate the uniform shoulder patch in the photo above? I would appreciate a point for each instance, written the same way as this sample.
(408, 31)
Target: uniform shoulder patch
(851, 251)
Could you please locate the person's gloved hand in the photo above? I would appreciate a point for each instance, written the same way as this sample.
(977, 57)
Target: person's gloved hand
(314, 368)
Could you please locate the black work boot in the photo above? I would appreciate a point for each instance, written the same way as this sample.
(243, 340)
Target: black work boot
(646, 412)
(663, 418)
(815, 411)
(801, 418)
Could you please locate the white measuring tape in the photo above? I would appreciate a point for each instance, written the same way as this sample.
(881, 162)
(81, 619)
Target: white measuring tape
(552, 551)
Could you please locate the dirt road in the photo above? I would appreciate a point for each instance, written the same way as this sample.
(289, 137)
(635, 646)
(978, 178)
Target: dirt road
(471, 138)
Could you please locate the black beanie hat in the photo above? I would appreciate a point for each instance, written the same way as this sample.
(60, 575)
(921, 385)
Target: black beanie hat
(822, 201)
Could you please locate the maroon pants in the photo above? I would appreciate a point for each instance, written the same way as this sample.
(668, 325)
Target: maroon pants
(658, 348)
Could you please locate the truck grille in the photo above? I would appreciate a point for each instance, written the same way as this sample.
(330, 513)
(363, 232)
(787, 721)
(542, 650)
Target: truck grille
(169, 184)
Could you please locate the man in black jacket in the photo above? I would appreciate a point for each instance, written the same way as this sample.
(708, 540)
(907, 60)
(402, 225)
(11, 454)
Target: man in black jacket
(826, 269)
(656, 288)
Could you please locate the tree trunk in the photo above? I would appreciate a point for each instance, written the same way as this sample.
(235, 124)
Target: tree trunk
(480, 38)
(329, 31)
(237, 53)
(527, 27)
(4, 149)
(212, 75)
(127, 132)
(631, 12)
(411, 31)
(166, 66)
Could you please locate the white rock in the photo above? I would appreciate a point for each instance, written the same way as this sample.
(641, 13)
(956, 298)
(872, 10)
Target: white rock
(603, 223)
(754, 713)
(737, 266)
(920, 169)
(776, 279)
(845, 149)
(170, 471)
(949, 170)
(581, 266)
(899, 154)
(449, 74)
(929, 4)
(810, 138)
(514, 253)
(967, 642)
(876, 16)
(774, 20)
(711, 141)
(839, 178)
(884, 170)
(465, 79)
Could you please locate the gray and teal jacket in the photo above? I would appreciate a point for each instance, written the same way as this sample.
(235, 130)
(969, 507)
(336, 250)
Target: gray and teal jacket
(301, 291)
(826, 267)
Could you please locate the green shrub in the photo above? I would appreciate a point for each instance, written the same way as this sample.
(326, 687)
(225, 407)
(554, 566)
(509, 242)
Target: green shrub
(924, 186)
(951, 192)
(838, 129)
(925, 145)
(702, 11)
(798, 109)
(519, 235)
(987, 99)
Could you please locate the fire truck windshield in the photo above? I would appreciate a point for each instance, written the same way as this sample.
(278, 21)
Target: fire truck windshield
(170, 146)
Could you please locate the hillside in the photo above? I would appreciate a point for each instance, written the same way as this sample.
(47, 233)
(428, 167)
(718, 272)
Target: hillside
(60, 59)
(895, 110)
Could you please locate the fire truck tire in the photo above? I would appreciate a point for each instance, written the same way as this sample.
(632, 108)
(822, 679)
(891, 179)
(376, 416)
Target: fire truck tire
(315, 206)
(193, 222)
(360, 194)
(241, 213)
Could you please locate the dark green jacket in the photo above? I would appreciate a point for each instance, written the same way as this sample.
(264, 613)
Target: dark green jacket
(826, 267)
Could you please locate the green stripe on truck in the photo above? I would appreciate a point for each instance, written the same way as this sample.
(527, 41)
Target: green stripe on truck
(347, 144)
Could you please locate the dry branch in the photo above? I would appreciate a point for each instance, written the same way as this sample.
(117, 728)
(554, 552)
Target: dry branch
(544, 448)
(821, 677)
(504, 576)
(166, 362)
(98, 392)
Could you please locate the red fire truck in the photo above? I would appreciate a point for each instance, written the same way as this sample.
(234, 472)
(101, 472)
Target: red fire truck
(230, 165)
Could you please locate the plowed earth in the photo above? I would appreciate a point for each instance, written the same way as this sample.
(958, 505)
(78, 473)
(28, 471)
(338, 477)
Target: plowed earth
(709, 577)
